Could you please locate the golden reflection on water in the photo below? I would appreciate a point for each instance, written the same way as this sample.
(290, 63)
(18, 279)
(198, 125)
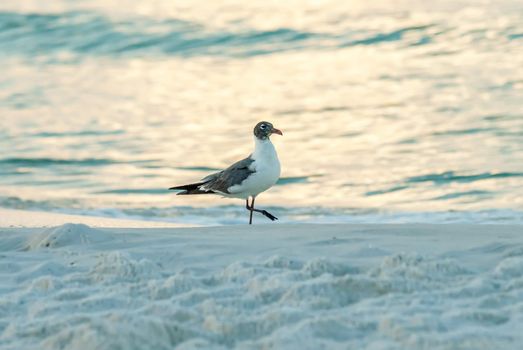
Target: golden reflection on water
(358, 121)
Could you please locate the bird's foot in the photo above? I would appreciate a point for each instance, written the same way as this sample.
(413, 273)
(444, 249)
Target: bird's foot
(269, 215)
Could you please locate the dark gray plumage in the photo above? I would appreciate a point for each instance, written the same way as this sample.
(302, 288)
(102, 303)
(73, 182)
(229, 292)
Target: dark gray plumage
(263, 130)
(221, 181)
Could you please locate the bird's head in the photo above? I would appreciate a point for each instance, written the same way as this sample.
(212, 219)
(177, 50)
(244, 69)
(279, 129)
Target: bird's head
(263, 130)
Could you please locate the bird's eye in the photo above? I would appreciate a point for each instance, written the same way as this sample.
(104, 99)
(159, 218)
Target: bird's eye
(263, 126)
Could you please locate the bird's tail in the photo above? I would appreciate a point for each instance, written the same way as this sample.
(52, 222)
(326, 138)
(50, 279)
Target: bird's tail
(191, 189)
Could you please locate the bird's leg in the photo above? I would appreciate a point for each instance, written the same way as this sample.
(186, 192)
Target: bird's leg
(250, 208)
(264, 212)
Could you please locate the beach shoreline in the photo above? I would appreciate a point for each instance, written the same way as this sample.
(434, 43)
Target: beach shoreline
(26, 218)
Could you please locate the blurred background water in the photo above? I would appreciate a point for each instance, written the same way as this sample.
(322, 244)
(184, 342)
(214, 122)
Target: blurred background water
(392, 111)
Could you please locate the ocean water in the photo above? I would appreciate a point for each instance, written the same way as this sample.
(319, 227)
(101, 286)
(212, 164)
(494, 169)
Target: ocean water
(404, 111)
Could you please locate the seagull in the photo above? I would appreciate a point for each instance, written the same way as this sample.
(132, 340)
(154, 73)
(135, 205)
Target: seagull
(246, 178)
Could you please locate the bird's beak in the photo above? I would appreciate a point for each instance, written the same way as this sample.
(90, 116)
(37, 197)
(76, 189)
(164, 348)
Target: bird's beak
(276, 131)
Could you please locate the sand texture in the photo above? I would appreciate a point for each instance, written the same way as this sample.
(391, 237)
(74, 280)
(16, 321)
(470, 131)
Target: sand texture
(262, 287)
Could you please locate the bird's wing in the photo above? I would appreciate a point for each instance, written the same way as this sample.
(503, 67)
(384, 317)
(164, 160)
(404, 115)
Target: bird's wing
(233, 175)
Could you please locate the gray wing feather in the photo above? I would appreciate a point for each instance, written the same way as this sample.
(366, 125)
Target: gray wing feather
(233, 175)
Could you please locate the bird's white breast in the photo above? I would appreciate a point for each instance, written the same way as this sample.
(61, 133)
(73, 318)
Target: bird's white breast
(266, 167)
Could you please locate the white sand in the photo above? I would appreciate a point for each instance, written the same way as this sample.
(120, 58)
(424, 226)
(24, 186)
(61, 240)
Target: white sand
(267, 286)
(21, 218)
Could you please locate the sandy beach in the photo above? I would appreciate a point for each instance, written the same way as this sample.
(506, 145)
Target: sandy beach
(385, 136)
(301, 286)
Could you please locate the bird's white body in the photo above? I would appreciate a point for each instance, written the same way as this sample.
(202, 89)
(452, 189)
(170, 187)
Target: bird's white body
(246, 178)
(266, 167)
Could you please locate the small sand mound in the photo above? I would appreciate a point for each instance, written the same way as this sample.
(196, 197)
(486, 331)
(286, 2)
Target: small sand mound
(116, 265)
(509, 269)
(319, 266)
(281, 262)
(66, 235)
